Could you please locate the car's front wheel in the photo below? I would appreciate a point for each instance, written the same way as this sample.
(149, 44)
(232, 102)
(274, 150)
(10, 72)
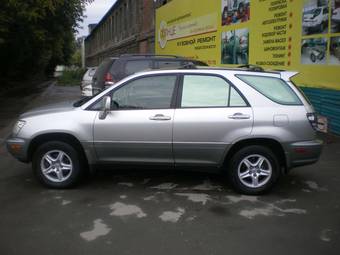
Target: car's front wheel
(57, 165)
(253, 170)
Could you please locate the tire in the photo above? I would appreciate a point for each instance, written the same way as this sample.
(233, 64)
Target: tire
(57, 165)
(243, 163)
(313, 58)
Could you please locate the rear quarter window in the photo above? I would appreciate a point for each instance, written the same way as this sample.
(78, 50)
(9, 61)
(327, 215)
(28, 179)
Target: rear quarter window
(273, 88)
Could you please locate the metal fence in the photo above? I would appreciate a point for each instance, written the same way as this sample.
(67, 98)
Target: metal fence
(327, 103)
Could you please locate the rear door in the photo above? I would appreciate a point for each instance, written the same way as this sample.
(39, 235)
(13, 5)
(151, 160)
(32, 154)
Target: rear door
(211, 114)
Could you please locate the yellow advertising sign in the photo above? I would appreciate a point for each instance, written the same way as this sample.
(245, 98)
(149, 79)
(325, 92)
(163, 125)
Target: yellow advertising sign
(276, 34)
(200, 25)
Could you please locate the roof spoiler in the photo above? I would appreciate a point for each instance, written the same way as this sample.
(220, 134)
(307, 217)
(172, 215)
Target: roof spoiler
(287, 75)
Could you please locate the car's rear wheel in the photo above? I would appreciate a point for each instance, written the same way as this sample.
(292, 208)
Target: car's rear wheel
(57, 165)
(253, 170)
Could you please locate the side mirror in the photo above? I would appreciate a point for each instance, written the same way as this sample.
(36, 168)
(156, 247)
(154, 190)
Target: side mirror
(106, 107)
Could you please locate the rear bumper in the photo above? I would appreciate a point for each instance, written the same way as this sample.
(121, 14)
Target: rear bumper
(18, 148)
(303, 153)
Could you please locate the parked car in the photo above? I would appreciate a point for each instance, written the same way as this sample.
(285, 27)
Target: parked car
(335, 47)
(315, 20)
(336, 20)
(252, 125)
(58, 71)
(86, 84)
(317, 54)
(112, 70)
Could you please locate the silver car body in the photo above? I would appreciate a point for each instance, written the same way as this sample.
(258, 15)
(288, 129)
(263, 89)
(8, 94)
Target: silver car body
(180, 137)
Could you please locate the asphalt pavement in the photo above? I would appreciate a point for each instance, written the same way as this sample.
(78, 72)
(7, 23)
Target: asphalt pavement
(135, 211)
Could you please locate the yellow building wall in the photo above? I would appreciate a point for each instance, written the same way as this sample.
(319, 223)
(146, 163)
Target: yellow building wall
(275, 38)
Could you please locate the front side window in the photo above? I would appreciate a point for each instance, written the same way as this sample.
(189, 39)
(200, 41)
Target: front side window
(273, 88)
(146, 93)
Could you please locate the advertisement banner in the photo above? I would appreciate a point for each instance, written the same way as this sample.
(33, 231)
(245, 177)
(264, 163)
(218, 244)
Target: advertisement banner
(275, 34)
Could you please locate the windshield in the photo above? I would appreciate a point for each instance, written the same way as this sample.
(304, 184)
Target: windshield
(315, 12)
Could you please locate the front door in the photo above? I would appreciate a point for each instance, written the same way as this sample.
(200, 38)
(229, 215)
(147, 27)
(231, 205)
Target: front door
(139, 129)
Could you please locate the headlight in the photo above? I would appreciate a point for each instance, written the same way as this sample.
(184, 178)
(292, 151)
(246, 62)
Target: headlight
(18, 126)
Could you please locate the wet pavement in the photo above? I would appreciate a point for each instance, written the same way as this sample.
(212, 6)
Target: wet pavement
(130, 211)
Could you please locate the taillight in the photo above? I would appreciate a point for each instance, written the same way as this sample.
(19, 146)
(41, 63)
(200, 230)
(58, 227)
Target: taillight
(313, 120)
(108, 78)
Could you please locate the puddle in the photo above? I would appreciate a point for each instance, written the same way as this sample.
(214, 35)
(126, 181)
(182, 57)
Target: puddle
(173, 217)
(99, 229)
(121, 209)
(195, 197)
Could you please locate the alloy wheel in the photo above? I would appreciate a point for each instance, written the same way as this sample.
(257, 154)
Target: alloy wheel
(56, 166)
(254, 171)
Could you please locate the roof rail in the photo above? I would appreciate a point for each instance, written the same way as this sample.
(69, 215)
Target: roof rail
(149, 55)
(181, 67)
(252, 68)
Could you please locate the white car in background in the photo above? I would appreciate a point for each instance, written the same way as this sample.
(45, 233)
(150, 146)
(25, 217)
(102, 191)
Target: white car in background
(86, 84)
(336, 19)
(315, 20)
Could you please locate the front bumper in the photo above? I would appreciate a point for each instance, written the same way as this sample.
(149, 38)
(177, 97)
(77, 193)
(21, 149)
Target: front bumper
(310, 25)
(18, 148)
(303, 153)
(336, 21)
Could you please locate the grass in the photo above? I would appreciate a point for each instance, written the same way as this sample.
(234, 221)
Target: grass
(71, 77)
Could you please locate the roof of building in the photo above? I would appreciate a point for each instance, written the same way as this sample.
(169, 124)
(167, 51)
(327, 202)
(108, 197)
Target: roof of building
(107, 14)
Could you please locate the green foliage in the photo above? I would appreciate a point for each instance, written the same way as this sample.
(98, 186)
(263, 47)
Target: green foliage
(76, 58)
(71, 77)
(36, 35)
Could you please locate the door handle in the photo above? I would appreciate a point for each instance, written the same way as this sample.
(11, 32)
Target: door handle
(239, 116)
(160, 117)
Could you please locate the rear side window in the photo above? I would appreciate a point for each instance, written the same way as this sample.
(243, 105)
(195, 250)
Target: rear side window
(209, 91)
(235, 99)
(273, 88)
(137, 66)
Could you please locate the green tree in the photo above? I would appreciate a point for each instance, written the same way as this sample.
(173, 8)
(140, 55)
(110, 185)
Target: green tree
(36, 35)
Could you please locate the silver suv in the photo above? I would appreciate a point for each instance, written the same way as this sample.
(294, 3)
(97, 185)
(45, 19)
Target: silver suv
(252, 125)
